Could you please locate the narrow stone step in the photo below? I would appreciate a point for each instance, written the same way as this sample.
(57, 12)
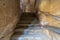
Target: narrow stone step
(22, 29)
(28, 37)
(19, 30)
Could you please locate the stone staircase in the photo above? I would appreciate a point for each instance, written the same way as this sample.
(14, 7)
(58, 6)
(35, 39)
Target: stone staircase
(29, 29)
(25, 21)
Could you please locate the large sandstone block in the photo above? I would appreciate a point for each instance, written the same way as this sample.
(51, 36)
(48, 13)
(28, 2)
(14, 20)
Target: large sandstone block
(9, 15)
(49, 12)
(50, 6)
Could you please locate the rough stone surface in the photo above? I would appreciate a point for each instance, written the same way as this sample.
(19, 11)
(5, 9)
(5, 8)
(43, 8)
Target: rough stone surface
(37, 32)
(9, 11)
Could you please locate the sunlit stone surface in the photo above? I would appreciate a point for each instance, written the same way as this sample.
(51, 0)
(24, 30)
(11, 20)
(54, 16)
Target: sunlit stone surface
(36, 32)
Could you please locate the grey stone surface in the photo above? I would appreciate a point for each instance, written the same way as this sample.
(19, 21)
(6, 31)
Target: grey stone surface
(37, 32)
